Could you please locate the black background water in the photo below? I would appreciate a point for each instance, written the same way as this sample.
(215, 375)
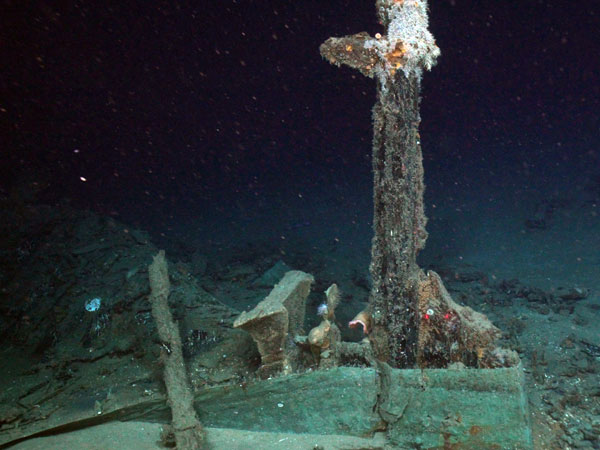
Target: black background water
(219, 120)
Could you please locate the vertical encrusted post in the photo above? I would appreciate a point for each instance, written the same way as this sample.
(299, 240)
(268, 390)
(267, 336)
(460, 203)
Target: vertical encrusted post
(189, 434)
(396, 61)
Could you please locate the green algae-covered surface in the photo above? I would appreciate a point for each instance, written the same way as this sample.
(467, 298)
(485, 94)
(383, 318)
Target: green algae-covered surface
(459, 409)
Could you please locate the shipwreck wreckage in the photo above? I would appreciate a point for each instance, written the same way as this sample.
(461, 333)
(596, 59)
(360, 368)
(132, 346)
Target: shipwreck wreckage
(428, 373)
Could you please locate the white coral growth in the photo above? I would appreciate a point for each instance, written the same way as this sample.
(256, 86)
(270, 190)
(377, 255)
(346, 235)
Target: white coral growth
(407, 28)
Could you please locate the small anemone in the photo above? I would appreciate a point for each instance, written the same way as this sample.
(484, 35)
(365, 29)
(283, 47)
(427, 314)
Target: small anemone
(322, 310)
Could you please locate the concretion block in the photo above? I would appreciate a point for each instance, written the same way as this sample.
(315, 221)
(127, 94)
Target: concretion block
(280, 313)
(292, 291)
(267, 323)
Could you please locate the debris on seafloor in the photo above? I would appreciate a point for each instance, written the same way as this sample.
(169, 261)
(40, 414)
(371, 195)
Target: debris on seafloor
(188, 431)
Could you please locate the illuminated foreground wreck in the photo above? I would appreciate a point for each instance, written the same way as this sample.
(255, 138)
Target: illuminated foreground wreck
(428, 373)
